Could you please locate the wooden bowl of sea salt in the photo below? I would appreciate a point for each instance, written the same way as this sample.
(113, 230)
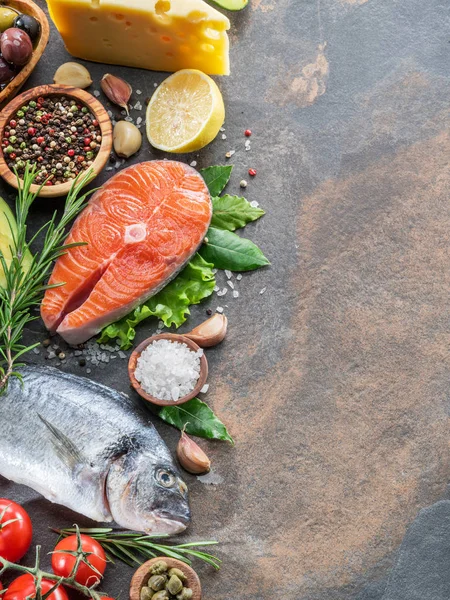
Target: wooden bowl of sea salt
(172, 366)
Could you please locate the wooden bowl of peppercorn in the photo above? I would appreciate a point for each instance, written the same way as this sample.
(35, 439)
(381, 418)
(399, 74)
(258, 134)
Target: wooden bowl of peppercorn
(63, 130)
(143, 575)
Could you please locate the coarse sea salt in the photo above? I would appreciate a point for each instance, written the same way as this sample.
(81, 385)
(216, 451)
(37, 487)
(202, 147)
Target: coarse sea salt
(168, 370)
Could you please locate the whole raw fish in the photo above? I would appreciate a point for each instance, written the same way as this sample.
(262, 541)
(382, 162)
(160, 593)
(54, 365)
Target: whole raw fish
(84, 445)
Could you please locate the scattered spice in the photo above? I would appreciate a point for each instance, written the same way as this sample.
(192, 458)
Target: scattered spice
(247, 133)
(252, 172)
(243, 183)
(59, 135)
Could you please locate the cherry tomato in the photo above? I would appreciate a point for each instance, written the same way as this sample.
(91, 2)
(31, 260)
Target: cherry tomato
(62, 563)
(24, 587)
(16, 530)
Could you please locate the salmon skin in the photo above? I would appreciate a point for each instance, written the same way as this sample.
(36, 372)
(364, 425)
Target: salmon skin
(141, 228)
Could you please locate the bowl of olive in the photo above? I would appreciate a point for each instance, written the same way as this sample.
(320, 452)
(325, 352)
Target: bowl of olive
(24, 33)
(165, 578)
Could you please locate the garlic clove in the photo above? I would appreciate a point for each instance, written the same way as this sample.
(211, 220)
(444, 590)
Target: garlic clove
(74, 74)
(209, 333)
(191, 456)
(117, 90)
(127, 139)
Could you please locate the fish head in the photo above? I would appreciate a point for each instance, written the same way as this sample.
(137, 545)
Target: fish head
(148, 494)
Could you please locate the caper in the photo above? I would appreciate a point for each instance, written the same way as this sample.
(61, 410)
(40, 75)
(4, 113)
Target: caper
(146, 593)
(178, 572)
(159, 568)
(157, 582)
(185, 594)
(174, 585)
(162, 595)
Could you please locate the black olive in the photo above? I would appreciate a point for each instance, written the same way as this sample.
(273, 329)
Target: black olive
(28, 24)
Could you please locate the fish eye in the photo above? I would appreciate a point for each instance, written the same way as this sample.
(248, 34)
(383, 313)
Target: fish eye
(165, 478)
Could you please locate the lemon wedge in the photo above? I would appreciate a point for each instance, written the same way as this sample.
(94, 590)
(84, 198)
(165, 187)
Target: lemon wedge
(185, 113)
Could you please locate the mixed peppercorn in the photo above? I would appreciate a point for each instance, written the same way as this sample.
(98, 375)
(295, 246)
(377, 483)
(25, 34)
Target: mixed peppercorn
(57, 133)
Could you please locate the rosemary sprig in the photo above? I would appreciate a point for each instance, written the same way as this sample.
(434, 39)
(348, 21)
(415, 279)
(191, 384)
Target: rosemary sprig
(135, 548)
(38, 575)
(25, 287)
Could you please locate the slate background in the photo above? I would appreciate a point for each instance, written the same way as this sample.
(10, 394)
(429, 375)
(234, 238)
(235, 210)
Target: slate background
(334, 382)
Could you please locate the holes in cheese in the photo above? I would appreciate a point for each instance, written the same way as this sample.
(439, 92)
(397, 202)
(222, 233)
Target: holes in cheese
(162, 35)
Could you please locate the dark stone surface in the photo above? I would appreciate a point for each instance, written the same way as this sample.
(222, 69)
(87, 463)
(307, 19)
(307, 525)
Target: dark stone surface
(334, 382)
(421, 570)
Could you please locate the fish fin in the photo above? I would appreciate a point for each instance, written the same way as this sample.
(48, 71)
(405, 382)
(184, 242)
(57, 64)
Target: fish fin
(65, 448)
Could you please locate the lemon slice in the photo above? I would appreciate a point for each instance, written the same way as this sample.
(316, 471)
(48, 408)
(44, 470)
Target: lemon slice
(185, 113)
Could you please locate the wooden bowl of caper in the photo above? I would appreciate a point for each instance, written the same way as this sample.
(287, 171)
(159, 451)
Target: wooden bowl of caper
(165, 578)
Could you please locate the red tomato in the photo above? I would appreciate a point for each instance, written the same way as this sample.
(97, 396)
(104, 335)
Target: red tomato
(15, 536)
(63, 563)
(24, 587)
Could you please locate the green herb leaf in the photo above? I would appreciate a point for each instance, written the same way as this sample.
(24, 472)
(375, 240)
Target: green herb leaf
(226, 250)
(197, 419)
(216, 178)
(233, 212)
(171, 304)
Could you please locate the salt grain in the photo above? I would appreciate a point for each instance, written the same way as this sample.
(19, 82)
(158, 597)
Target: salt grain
(239, 277)
(231, 284)
(254, 204)
(219, 309)
(229, 274)
(96, 93)
(138, 92)
(194, 163)
(205, 388)
(263, 290)
(235, 294)
(168, 370)
(224, 137)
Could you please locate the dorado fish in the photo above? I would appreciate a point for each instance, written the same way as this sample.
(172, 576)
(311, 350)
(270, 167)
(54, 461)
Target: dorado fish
(140, 229)
(92, 449)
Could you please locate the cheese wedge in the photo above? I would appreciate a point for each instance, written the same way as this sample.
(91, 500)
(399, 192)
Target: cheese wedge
(161, 35)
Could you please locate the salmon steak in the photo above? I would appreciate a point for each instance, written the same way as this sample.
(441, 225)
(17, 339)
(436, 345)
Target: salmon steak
(139, 229)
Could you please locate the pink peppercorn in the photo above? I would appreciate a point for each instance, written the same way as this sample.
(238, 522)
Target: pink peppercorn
(31, 131)
(252, 172)
(71, 152)
(247, 133)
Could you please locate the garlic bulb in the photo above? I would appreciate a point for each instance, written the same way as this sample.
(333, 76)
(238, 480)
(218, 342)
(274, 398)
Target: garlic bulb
(117, 90)
(210, 332)
(191, 456)
(74, 74)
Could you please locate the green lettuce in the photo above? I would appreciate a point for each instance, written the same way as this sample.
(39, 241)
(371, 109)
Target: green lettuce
(195, 283)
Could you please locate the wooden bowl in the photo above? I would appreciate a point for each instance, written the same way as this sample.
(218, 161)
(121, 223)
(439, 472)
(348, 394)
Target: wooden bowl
(142, 575)
(30, 8)
(174, 337)
(57, 90)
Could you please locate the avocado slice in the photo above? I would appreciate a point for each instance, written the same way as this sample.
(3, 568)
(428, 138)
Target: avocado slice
(231, 4)
(7, 220)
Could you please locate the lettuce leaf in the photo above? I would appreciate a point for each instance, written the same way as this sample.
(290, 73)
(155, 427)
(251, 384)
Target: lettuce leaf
(195, 283)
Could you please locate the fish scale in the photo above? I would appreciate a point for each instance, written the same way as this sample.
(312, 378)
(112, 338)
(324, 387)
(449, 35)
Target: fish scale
(92, 449)
(139, 229)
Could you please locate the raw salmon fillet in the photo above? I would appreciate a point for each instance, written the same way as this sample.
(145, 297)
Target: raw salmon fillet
(141, 228)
